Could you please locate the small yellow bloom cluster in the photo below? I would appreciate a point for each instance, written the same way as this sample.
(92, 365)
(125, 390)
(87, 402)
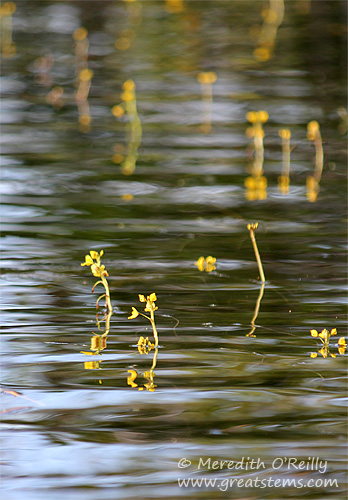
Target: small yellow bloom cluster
(206, 77)
(324, 336)
(313, 130)
(150, 305)
(257, 118)
(144, 345)
(285, 134)
(207, 264)
(151, 308)
(256, 187)
(98, 270)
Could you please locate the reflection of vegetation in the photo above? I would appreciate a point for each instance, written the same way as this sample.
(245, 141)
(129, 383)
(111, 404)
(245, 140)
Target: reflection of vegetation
(252, 228)
(256, 313)
(98, 342)
(324, 337)
(267, 34)
(99, 271)
(206, 79)
(313, 134)
(284, 179)
(128, 106)
(144, 345)
(174, 6)
(134, 15)
(84, 77)
(343, 126)
(256, 184)
(207, 264)
(8, 47)
(149, 375)
(151, 308)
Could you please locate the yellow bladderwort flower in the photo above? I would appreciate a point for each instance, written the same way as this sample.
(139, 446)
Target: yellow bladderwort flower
(207, 264)
(324, 336)
(134, 314)
(99, 271)
(151, 308)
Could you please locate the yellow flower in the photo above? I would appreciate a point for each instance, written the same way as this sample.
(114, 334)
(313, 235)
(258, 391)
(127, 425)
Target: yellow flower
(323, 352)
(88, 261)
(200, 263)
(324, 334)
(207, 264)
(208, 77)
(263, 116)
(210, 264)
(333, 332)
(284, 133)
(150, 303)
(314, 354)
(128, 85)
(134, 314)
(312, 130)
(142, 298)
(314, 333)
(342, 341)
(342, 349)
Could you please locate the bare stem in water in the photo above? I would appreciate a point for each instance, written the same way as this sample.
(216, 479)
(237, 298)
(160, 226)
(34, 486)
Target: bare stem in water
(252, 228)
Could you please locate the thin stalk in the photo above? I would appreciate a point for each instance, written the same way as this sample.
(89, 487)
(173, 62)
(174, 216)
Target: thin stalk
(155, 334)
(107, 294)
(252, 228)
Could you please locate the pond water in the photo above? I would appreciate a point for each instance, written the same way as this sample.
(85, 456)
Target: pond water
(157, 175)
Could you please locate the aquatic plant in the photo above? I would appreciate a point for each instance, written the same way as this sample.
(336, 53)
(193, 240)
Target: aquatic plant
(284, 178)
(252, 228)
(151, 308)
(313, 134)
(99, 271)
(324, 336)
(207, 264)
(149, 375)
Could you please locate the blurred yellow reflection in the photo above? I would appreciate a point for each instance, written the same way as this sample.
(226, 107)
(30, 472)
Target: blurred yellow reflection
(128, 108)
(206, 79)
(8, 47)
(312, 183)
(284, 178)
(266, 35)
